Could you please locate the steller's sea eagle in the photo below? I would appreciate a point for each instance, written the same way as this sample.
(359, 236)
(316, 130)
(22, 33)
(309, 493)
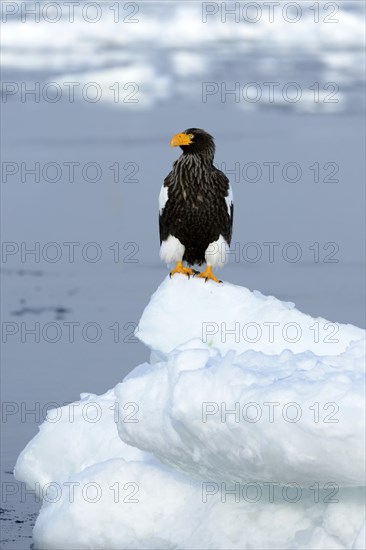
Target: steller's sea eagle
(195, 208)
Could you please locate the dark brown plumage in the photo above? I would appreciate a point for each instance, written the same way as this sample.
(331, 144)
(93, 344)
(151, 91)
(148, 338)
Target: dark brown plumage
(196, 210)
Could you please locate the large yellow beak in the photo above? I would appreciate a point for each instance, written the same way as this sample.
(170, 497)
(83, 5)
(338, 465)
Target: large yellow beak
(180, 139)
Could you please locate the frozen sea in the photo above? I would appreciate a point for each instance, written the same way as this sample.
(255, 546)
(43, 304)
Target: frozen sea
(298, 231)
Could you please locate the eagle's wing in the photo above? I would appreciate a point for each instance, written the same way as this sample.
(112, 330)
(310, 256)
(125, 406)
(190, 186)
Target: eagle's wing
(163, 199)
(224, 186)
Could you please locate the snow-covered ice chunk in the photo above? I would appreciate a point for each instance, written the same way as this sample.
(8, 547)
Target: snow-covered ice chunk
(217, 440)
(289, 418)
(136, 505)
(232, 317)
(360, 542)
(72, 438)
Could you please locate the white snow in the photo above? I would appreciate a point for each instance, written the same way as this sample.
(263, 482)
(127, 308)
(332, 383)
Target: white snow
(232, 317)
(222, 445)
(360, 542)
(253, 417)
(83, 434)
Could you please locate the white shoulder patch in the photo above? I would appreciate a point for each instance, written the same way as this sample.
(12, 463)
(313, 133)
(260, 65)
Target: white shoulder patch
(163, 197)
(229, 199)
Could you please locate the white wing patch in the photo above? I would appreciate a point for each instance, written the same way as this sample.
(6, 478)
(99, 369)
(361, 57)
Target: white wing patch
(229, 199)
(163, 197)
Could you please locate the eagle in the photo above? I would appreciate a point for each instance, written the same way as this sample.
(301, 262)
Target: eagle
(195, 208)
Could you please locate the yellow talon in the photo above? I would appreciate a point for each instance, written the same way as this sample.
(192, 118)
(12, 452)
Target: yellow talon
(179, 268)
(207, 274)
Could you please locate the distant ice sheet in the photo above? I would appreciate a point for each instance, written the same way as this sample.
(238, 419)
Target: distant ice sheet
(170, 49)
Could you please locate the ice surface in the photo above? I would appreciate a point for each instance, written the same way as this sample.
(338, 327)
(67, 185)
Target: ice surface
(288, 418)
(72, 438)
(231, 317)
(222, 444)
(170, 512)
(360, 542)
(87, 49)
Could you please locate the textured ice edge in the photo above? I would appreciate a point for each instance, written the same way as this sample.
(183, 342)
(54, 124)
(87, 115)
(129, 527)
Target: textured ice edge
(166, 464)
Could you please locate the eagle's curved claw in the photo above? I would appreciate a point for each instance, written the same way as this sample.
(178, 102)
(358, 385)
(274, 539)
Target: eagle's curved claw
(207, 274)
(179, 268)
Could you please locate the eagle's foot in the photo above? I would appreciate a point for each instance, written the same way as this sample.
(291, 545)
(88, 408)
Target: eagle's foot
(207, 274)
(179, 268)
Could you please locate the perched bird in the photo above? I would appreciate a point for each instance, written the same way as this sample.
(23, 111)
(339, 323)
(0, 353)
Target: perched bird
(195, 208)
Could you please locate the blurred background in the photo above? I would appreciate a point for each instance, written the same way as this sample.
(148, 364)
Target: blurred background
(91, 95)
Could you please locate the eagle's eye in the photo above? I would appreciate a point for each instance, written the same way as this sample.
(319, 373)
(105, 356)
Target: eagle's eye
(191, 136)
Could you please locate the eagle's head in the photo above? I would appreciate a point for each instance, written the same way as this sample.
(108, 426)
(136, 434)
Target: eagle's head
(194, 140)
